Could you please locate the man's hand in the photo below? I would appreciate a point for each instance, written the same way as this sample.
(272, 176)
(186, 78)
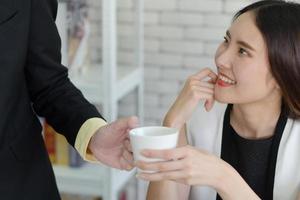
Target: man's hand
(111, 146)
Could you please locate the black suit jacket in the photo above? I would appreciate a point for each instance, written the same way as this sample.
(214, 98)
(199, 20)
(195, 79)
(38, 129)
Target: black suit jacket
(32, 81)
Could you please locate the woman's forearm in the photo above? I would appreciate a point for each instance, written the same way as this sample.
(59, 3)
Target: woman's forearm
(162, 190)
(231, 186)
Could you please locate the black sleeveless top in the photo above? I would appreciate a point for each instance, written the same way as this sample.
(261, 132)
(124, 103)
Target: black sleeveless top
(254, 160)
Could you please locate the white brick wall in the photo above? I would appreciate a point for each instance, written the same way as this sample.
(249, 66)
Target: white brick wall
(181, 18)
(210, 34)
(151, 45)
(151, 18)
(181, 37)
(160, 5)
(182, 47)
(204, 6)
(163, 59)
(163, 32)
(231, 6)
(125, 4)
(217, 20)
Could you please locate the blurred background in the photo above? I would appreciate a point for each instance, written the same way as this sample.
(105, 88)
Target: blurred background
(132, 57)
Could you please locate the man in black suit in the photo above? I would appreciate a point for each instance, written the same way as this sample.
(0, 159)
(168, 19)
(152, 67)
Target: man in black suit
(33, 82)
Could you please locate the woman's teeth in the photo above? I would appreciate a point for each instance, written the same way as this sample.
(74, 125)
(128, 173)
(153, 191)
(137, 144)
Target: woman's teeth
(226, 80)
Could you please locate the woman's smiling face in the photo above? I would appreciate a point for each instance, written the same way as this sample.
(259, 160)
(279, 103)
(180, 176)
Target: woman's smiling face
(243, 68)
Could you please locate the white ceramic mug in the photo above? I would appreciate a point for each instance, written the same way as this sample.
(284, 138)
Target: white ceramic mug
(152, 137)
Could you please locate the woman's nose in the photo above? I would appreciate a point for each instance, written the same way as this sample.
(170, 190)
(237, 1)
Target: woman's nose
(223, 59)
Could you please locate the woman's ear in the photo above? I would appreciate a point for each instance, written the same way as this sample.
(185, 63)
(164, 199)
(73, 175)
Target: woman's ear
(277, 86)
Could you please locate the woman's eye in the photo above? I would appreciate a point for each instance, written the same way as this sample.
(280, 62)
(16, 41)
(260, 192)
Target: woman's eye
(243, 51)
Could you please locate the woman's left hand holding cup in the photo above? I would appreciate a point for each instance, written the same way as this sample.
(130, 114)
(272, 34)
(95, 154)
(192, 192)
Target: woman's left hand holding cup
(186, 165)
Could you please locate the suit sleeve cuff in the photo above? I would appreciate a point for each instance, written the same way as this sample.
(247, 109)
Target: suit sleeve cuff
(86, 131)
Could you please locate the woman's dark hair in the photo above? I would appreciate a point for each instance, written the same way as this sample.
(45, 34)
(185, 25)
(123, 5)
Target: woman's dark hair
(279, 23)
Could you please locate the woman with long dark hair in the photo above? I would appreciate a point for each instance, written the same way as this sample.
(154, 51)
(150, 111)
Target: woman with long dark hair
(246, 144)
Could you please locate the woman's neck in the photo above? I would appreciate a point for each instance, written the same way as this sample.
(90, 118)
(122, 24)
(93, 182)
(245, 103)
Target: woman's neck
(257, 120)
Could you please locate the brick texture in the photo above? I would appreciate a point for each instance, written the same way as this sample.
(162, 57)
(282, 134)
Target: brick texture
(181, 37)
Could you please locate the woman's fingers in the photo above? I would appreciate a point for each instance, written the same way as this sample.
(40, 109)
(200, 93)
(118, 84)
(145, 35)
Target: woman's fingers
(194, 81)
(204, 90)
(160, 166)
(209, 103)
(170, 175)
(207, 73)
(206, 84)
(200, 86)
(167, 154)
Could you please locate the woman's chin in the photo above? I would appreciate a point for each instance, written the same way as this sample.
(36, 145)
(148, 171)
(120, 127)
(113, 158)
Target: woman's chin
(222, 99)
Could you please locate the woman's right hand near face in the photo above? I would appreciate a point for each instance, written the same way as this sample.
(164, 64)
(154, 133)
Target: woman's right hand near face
(196, 88)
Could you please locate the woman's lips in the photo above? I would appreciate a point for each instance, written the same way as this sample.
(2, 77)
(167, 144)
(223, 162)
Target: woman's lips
(225, 81)
(222, 83)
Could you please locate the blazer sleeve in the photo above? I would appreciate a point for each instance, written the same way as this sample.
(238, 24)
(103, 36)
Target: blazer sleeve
(52, 94)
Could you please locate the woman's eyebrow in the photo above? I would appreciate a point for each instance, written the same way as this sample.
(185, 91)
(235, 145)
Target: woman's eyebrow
(240, 42)
(245, 44)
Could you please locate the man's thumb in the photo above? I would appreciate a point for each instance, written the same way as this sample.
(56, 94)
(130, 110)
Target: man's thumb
(127, 123)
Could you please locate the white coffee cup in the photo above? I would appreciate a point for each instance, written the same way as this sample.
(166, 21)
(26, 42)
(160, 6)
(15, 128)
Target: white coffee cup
(152, 137)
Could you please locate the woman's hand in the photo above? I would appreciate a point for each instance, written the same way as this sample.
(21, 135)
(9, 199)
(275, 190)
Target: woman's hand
(186, 165)
(191, 166)
(196, 88)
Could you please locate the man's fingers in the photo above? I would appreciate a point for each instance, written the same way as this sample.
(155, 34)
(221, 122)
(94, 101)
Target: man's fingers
(133, 122)
(127, 145)
(124, 164)
(125, 124)
(128, 157)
